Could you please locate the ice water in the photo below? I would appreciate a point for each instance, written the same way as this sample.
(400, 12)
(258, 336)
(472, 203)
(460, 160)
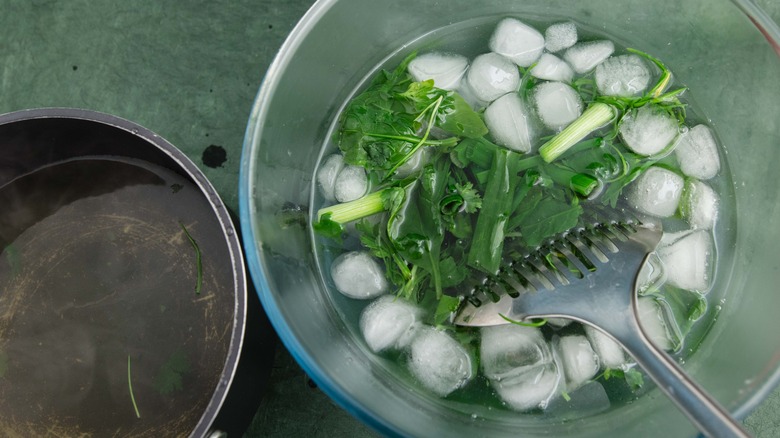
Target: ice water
(477, 398)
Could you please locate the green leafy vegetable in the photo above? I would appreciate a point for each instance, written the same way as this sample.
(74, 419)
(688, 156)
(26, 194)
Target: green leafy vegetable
(447, 305)
(171, 374)
(379, 127)
(490, 231)
(632, 376)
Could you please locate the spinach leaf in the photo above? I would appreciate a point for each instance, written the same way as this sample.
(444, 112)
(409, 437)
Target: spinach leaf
(416, 226)
(171, 375)
(552, 216)
(490, 230)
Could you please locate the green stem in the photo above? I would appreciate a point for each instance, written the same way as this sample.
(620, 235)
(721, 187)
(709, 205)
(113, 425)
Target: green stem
(354, 210)
(537, 323)
(597, 115)
(447, 142)
(198, 260)
(130, 387)
(435, 105)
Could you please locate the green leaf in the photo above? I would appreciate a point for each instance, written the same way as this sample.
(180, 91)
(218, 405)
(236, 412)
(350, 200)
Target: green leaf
(550, 216)
(328, 228)
(452, 274)
(472, 201)
(458, 118)
(170, 378)
(634, 378)
(489, 234)
(447, 305)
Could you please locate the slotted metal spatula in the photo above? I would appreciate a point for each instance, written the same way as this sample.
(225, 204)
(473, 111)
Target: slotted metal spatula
(590, 276)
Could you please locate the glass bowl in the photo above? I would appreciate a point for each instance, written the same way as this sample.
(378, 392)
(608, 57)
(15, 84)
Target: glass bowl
(725, 51)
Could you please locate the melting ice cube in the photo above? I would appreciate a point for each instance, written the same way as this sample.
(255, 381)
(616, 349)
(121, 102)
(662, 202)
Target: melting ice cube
(584, 57)
(508, 351)
(611, 354)
(389, 322)
(439, 362)
(358, 275)
(552, 68)
(625, 75)
(491, 76)
(560, 36)
(519, 364)
(510, 123)
(519, 42)
(652, 321)
(656, 192)
(445, 69)
(351, 184)
(557, 104)
(649, 130)
(687, 261)
(699, 205)
(697, 153)
(327, 173)
(579, 362)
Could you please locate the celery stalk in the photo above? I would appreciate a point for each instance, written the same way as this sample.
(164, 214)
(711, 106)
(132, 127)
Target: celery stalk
(597, 115)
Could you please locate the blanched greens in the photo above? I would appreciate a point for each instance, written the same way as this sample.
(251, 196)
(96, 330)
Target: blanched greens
(454, 221)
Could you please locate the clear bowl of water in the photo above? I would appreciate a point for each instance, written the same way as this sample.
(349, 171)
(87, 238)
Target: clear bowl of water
(725, 52)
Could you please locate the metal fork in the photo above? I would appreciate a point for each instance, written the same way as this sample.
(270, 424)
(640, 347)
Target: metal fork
(576, 279)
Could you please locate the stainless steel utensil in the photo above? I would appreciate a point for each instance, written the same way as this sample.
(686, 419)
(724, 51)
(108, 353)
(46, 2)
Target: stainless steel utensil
(578, 278)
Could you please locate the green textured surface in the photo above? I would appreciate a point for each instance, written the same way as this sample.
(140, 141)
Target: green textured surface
(188, 70)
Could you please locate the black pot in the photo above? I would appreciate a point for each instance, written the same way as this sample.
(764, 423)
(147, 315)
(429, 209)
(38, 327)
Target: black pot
(123, 295)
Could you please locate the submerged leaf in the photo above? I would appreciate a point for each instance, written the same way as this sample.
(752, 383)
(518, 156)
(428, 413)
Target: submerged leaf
(170, 378)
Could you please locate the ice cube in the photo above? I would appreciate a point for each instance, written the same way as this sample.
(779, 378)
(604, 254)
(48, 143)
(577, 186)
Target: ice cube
(518, 362)
(697, 153)
(390, 322)
(445, 69)
(351, 184)
(537, 391)
(584, 57)
(327, 173)
(508, 351)
(491, 76)
(611, 354)
(557, 104)
(590, 399)
(578, 360)
(560, 36)
(699, 205)
(558, 322)
(653, 324)
(510, 123)
(649, 130)
(687, 261)
(625, 75)
(439, 362)
(467, 93)
(656, 192)
(357, 274)
(519, 42)
(552, 68)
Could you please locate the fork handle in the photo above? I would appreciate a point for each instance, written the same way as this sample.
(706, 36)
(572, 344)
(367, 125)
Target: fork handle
(704, 411)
